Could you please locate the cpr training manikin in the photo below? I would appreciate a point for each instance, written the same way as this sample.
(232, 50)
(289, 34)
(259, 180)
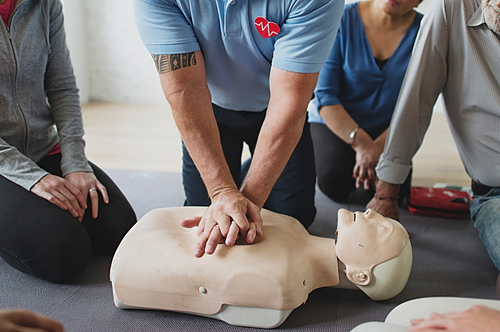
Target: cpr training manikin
(154, 266)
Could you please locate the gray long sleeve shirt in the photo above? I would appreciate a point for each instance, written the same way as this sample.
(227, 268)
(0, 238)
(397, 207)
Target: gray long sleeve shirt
(39, 101)
(455, 54)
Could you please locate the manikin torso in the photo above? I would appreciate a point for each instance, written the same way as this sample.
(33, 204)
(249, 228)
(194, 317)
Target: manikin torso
(283, 266)
(154, 266)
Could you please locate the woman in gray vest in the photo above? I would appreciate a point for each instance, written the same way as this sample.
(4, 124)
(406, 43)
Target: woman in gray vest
(56, 207)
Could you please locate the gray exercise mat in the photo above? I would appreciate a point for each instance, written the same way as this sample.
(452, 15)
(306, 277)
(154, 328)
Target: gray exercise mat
(449, 260)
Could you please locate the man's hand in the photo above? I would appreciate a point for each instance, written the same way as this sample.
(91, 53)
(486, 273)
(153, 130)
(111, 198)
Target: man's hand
(87, 183)
(23, 320)
(61, 193)
(385, 201)
(387, 208)
(477, 319)
(231, 215)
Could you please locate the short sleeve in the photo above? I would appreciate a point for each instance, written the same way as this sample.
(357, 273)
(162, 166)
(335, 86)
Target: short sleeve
(327, 89)
(307, 35)
(163, 27)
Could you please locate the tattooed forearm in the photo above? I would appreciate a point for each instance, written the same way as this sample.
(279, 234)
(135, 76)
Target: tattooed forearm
(170, 62)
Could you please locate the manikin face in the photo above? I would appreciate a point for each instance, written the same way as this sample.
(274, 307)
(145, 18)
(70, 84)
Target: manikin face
(365, 240)
(491, 11)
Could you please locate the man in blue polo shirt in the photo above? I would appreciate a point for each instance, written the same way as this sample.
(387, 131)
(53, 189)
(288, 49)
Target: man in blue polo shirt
(237, 71)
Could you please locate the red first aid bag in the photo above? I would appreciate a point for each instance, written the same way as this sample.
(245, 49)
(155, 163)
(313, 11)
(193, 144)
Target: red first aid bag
(439, 202)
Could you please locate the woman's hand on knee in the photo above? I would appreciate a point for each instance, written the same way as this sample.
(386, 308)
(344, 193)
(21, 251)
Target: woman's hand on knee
(61, 193)
(88, 184)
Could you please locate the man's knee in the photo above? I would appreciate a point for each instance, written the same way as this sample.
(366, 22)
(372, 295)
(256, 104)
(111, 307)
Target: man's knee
(486, 216)
(299, 205)
(338, 191)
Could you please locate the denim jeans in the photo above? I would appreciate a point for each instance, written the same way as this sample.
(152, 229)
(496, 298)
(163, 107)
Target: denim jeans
(485, 212)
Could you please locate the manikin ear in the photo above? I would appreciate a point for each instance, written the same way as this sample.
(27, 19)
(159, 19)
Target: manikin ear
(358, 276)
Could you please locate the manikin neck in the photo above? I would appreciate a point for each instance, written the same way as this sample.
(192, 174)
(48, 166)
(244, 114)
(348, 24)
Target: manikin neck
(344, 283)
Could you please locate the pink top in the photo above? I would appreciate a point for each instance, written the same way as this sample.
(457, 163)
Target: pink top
(55, 149)
(7, 9)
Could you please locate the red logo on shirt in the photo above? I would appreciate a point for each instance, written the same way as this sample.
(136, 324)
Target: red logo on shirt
(266, 29)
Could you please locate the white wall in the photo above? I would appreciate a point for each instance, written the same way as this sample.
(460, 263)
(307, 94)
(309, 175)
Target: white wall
(76, 39)
(121, 69)
(111, 63)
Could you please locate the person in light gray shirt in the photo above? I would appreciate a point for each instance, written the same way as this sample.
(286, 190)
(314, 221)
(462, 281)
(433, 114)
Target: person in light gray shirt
(457, 54)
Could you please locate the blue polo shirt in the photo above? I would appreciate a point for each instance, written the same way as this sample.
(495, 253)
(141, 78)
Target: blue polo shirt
(352, 78)
(241, 39)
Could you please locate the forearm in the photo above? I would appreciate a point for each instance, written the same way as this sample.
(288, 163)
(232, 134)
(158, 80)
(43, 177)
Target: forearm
(274, 148)
(190, 101)
(280, 132)
(338, 121)
(386, 190)
(198, 128)
(380, 140)
(342, 124)
(18, 168)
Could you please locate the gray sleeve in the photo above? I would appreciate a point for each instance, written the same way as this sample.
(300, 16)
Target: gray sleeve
(424, 80)
(18, 168)
(63, 96)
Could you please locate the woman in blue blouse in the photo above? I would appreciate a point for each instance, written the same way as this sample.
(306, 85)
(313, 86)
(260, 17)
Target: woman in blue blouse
(357, 91)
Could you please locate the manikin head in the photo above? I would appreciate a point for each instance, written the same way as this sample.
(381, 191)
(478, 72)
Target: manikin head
(375, 251)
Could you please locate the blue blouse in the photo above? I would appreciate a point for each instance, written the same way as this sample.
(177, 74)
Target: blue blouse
(351, 77)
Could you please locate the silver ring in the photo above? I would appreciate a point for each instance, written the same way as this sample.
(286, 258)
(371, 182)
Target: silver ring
(92, 189)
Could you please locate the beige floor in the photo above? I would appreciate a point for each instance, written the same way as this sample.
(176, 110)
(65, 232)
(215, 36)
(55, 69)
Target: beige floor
(144, 137)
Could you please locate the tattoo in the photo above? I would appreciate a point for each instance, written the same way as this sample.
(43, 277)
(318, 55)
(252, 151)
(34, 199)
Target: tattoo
(169, 62)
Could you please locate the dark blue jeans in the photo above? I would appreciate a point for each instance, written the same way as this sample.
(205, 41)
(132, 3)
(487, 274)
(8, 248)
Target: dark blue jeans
(485, 212)
(293, 192)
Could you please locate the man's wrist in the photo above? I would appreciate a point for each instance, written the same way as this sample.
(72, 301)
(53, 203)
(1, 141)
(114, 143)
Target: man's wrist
(387, 191)
(222, 190)
(256, 197)
(386, 198)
